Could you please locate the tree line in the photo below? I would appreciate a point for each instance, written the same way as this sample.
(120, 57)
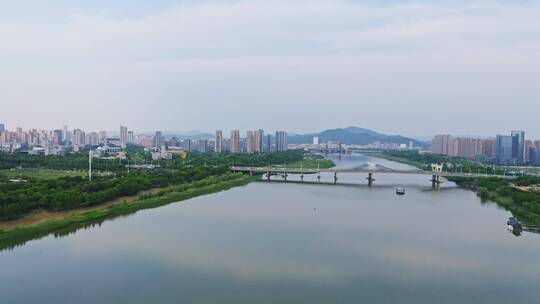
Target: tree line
(137, 155)
(64, 193)
(525, 205)
(17, 199)
(450, 163)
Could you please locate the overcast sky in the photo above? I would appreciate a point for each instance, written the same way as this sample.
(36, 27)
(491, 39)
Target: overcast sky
(407, 67)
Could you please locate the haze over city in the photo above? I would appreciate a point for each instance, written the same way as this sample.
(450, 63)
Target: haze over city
(398, 67)
(269, 151)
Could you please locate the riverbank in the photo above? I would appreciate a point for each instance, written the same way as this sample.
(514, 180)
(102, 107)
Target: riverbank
(40, 216)
(74, 221)
(394, 158)
(524, 205)
(311, 164)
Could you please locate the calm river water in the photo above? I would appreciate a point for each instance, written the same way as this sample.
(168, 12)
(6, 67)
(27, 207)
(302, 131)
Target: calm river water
(289, 243)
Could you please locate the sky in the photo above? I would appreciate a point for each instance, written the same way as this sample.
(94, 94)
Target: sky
(413, 67)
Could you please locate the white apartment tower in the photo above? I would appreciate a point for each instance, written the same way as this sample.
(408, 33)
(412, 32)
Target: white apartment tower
(235, 141)
(123, 136)
(259, 140)
(218, 144)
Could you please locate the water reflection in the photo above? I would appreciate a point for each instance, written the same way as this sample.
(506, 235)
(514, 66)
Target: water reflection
(288, 243)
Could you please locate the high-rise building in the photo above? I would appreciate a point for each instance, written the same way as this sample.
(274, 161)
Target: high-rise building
(158, 139)
(528, 145)
(534, 156)
(453, 146)
(78, 139)
(218, 143)
(250, 145)
(490, 147)
(102, 137)
(268, 143)
(66, 133)
(505, 149)
(93, 139)
(174, 142)
(186, 144)
(58, 138)
(440, 144)
(518, 146)
(315, 140)
(235, 141)
(3, 137)
(281, 141)
(259, 140)
(202, 145)
(87, 139)
(131, 137)
(2, 128)
(466, 147)
(123, 136)
(469, 147)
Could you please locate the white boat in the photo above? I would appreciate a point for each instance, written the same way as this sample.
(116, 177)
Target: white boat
(400, 191)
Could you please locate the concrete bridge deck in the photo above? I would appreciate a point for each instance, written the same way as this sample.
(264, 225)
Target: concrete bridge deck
(284, 172)
(277, 170)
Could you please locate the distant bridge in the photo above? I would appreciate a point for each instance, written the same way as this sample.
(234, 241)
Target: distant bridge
(284, 172)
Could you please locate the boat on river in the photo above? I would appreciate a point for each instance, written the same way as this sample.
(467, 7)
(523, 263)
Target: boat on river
(514, 224)
(400, 191)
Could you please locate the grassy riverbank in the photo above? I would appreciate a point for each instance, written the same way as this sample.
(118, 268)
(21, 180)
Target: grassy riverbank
(524, 205)
(42, 173)
(70, 223)
(402, 160)
(311, 164)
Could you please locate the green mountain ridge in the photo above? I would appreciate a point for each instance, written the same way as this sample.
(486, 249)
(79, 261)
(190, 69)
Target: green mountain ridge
(353, 136)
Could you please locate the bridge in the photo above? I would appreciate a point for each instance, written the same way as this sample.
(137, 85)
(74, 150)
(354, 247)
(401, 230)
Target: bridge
(436, 172)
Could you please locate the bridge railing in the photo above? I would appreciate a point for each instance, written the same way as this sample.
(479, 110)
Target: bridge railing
(364, 170)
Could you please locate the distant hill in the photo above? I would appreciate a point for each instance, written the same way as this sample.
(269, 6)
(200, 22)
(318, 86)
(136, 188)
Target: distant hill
(353, 136)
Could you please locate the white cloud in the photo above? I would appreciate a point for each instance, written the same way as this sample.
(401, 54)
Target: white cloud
(264, 28)
(228, 55)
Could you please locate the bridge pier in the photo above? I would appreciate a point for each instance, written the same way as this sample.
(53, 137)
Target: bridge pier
(435, 181)
(370, 179)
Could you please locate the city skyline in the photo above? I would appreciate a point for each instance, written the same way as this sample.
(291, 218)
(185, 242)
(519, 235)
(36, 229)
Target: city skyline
(63, 141)
(256, 151)
(130, 132)
(477, 61)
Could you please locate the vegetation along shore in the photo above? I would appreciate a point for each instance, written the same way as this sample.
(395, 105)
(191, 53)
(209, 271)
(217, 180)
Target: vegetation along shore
(40, 195)
(520, 196)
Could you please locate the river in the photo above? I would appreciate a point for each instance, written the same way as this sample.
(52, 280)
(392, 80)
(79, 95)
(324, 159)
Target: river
(289, 243)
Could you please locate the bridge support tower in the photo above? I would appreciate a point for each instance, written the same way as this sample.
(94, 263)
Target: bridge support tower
(370, 179)
(435, 181)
